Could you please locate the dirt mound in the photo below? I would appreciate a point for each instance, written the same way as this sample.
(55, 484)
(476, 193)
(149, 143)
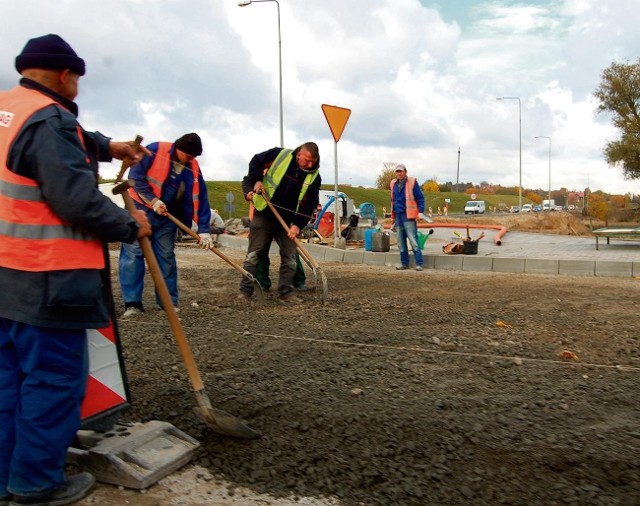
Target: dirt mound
(407, 388)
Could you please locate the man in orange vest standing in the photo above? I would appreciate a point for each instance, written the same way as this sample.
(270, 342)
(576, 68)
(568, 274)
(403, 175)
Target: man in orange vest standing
(54, 269)
(167, 180)
(407, 205)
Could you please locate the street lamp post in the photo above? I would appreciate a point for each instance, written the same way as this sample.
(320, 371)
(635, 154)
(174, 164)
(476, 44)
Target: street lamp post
(520, 122)
(458, 173)
(549, 139)
(244, 3)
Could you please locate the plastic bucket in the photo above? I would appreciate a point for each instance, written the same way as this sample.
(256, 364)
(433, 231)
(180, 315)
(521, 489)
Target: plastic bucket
(368, 239)
(470, 247)
(380, 242)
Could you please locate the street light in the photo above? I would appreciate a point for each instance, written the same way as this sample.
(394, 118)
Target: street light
(549, 138)
(244, 3)
(520, 121)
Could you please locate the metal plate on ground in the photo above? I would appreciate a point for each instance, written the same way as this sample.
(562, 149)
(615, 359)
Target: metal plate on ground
(134, 456)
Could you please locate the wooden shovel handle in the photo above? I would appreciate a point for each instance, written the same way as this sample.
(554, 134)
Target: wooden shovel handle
(161, 285)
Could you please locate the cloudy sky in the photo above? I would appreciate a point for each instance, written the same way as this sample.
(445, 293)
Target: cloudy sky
(421, 78)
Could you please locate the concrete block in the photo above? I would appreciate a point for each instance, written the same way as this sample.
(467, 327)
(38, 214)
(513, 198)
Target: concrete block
(514, 265)
(476, 263)
(429, 261)
(392, 259)
(614, 269)
(353, 256)
(577, 267)
(134, 456)
(448, 262)
(334, 255)
(375, 258)
(541, 266)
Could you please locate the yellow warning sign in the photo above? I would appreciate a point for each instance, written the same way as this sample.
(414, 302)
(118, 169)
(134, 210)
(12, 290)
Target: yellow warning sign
(337, 118)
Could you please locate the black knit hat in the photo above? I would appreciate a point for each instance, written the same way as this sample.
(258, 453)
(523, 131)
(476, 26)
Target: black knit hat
(49, 52)
(190, 144)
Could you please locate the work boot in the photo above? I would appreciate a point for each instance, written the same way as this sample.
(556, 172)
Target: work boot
(243, 297)
(302, 288)
(290, 299)
(132, 309)
(402, 267)
(418, 267)
(73, 489)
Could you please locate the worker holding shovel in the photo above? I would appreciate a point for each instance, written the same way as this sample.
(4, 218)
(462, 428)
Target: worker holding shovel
(292, 183)
(54, 270)
(168, 180)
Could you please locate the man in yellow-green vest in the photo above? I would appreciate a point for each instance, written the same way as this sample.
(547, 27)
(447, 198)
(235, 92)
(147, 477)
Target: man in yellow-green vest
(292, 184)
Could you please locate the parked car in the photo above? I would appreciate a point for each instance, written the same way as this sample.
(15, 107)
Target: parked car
(526, 208)
(514, 209)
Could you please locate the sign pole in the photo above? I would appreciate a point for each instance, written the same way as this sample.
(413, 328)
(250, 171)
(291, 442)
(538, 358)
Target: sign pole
(337, 118)
(336, 220)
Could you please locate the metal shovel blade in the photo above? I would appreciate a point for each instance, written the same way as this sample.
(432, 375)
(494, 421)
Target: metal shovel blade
(222, 422)
(325, 286)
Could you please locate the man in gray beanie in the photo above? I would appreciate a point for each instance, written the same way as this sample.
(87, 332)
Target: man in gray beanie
(54, 270)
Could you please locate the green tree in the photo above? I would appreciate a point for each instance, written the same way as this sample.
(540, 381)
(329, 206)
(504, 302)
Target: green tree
(619, 94)
(386, 176)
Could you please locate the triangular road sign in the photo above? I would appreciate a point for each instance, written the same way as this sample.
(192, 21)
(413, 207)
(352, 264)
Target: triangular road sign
(337, 118)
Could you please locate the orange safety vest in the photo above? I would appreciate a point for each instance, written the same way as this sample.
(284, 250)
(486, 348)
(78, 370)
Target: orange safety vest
(157, 175)
(410, 201)
(32, 237)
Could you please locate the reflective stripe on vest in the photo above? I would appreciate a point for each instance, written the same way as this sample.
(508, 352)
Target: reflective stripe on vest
(274, 175)
(32, 237)
(411, 206)
(157, 175)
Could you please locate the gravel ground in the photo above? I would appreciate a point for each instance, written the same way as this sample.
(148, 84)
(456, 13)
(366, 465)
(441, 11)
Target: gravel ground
(405, 388)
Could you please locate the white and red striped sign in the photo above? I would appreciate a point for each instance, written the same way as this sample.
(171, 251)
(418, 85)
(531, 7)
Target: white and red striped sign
(106, 388)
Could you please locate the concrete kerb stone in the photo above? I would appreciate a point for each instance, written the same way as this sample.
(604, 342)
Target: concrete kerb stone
(577, 267)
(541, 266)
(477, 264)
(614, 269)
(375, 258)
(353, 256)
(571, 257)
(448, 262)
(512, 265)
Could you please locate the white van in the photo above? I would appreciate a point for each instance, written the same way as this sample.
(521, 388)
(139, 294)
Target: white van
(474, 207)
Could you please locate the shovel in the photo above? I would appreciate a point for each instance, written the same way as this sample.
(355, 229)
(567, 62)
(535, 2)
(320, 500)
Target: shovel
(218, 420)
(306, 256)
(256, 284)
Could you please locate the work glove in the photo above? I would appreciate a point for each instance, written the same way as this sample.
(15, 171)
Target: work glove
(424, 217)
(160, 207)
(206, 241)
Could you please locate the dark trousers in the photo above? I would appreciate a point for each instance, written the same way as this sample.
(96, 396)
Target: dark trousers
(43, 377)
(262, 231)
(262, 273)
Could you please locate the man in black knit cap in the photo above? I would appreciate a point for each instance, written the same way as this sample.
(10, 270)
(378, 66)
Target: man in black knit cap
(168, 180)
(54, 270)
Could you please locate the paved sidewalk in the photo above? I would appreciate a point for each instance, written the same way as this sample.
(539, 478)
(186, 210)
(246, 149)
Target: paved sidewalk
(519, 252)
